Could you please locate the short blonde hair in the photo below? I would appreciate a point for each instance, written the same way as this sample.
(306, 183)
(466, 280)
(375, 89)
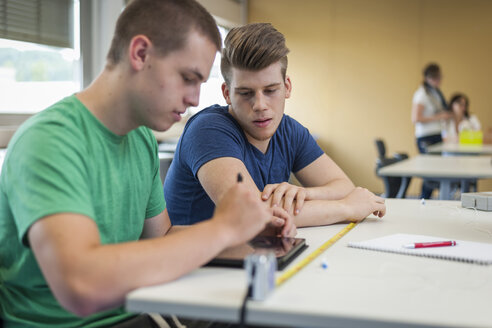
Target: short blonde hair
(253, 47)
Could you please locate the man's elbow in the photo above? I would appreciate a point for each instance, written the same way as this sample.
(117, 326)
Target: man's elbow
(81, 298)
(346, 185)
(351, 184)
(81, 308)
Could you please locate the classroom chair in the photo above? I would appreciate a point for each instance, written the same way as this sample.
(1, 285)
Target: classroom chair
(391, 184)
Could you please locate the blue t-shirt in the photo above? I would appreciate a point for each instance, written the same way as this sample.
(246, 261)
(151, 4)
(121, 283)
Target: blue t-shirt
(214, 133)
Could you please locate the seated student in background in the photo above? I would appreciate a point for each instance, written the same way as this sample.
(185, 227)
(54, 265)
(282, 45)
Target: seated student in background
(252, 135)
(461, 120)
(80, 186)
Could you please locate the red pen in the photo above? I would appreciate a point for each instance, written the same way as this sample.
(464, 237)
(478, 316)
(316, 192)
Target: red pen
(431, 244)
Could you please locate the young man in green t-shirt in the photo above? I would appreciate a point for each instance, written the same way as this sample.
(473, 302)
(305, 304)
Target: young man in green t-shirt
(80, 187)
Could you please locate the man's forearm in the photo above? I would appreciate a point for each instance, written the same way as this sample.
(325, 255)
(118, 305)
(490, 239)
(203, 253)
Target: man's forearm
(153, 261)
(357, 205)
(321, 212)
(336, 189)
(98, 277)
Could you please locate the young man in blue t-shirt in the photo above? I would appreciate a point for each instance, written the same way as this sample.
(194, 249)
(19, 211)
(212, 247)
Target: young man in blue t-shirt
(253, 136)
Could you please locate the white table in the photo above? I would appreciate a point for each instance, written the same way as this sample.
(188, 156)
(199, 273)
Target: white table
(457, 149)
(361, 288)
(445, 169)
(3, 152)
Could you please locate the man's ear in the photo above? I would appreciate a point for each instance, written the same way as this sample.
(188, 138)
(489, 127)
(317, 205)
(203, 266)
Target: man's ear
(226, 92)
(288, 87)
(138, 51)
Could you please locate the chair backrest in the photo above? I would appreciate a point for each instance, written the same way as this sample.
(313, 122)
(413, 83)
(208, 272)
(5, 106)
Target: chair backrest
(391, 184)
(381, 148)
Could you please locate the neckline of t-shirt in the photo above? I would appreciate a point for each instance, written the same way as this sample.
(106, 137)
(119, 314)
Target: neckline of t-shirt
(113, 137)
(258, 153)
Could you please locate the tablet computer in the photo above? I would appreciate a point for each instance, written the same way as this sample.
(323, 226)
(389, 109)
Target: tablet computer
(284, 248)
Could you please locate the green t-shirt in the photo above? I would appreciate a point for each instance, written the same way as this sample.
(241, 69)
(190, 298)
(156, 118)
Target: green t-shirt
(65, 160)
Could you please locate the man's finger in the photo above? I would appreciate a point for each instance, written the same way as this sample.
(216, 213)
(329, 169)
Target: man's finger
(289, 222)
(278, 222)
(301, 196)
(278, 194)
(289, 199)
(267, 191)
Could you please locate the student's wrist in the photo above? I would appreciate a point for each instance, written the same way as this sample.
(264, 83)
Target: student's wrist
(221, 231)
(310, 193)
(346, 211)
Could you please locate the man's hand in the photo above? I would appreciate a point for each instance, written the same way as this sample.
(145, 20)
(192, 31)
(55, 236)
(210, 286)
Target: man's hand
(242, 214)
(281, 224)
(286, 193)
(361, 202)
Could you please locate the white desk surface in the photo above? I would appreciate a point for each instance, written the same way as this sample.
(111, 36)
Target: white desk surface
(165, 155)
(435, 166)
(454, 148)
(361, 288)
(3, 152)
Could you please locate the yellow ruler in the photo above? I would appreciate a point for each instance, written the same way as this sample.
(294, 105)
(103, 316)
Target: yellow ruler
(299, 266)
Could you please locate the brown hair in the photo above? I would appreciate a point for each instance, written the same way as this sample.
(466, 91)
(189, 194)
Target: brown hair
(165, 22)
(455, 98)
(253, 47)
(432, 71)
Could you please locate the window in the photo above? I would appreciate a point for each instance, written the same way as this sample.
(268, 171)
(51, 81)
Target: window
(39, 59)
(210, 92)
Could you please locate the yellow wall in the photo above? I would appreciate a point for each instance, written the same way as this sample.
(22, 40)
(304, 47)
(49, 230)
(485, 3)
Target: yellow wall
(355, 65)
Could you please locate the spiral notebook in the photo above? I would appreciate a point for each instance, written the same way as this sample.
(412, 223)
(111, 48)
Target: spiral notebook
(464, 251)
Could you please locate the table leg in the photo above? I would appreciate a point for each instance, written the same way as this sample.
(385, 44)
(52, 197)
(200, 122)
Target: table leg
(403, 187)
(445, 189)
(465, 185)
